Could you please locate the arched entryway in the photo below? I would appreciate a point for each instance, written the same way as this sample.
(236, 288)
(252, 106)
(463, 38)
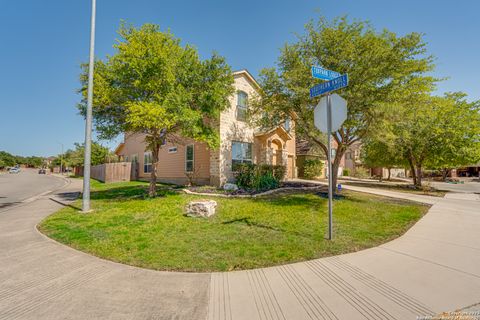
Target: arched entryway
(277, 149)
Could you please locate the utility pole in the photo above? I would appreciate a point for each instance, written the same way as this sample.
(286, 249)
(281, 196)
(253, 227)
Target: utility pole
(88, 122)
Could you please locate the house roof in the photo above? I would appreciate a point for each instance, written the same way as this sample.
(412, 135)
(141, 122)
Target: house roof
(305, 147)
(119, 148)
(248, 75)
(280, 130)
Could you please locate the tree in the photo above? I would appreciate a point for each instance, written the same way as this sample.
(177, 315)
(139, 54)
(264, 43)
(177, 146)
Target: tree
(378, 65)
(381, 152)
(100, 154)
(155, 86)
(436, 132)
(8, 159)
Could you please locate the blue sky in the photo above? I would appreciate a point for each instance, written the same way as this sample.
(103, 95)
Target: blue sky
(44, 42)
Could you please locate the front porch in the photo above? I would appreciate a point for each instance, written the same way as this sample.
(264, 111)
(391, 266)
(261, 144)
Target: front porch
(272, 148)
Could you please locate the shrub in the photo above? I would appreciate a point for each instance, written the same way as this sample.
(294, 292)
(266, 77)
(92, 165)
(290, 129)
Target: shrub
(312, 168)
(259, 177)
(361, 173)
(346, 172)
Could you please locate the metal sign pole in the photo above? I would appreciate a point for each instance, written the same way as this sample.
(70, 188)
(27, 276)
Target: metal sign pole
(88, 122)
(329, 158)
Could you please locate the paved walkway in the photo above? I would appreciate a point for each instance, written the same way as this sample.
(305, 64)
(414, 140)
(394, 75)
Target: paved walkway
(434, 267)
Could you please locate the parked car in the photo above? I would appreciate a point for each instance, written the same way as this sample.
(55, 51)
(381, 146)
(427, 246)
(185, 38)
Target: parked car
(14, 170)
(42, 171)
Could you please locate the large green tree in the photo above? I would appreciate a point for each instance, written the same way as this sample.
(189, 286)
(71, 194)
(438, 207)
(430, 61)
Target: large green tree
(378, 65)
(435, 132)
(155, 86)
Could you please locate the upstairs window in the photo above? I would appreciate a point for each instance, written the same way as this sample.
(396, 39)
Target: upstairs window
(147, 162)
(241, 153)
(189, 158)
(172, 150)
(242, 98)
(287, 124)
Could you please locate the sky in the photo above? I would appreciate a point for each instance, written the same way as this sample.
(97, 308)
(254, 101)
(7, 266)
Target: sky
(43, 43)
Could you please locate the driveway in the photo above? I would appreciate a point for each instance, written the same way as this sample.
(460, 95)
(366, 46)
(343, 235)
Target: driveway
(468, 186)
(431, 269)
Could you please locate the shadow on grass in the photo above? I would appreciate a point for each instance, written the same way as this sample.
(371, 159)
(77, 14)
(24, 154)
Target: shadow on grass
(127, 193)
(66, 198)
(298, 198)
(250, 223)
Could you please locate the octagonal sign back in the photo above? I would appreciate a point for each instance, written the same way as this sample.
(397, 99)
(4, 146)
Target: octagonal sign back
(339, 113)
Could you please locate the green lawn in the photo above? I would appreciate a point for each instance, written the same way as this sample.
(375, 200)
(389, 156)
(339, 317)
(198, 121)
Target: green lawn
(246, 233)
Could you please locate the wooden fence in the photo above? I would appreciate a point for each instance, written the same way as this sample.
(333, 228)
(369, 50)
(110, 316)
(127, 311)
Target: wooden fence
(112, 172)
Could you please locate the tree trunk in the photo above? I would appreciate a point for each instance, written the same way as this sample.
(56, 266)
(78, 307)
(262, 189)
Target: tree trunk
(389, 174)
(335, 166)
(445, 173)
(413, 171)
(152, 189)
(419, 176)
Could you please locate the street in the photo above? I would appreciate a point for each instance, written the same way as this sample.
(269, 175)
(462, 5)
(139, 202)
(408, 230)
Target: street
(15, 188)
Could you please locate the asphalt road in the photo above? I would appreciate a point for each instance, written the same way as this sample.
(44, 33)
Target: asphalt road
(16, 188)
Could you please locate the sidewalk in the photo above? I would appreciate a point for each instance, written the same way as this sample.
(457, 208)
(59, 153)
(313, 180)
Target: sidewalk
(434, 267)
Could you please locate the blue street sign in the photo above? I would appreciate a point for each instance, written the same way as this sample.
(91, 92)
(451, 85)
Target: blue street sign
(324, 74)
(335, 84)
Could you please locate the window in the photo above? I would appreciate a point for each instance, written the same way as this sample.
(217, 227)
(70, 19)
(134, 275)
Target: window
(286, 124)
(189, 158)
(334, 152)
(241, 153)
(134, 158)
(147, 162)
(172, 150)
(242, 98)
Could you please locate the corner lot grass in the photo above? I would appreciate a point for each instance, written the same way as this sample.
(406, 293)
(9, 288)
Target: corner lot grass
(246, 233)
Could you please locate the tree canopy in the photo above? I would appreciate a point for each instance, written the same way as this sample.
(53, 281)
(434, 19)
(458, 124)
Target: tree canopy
(379, 65)
(155, 86)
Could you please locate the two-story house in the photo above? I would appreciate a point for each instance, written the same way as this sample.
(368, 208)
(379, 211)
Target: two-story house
(239, 143)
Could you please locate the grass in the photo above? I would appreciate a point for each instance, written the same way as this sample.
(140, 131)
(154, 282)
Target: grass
(129, 228)
(427, 191)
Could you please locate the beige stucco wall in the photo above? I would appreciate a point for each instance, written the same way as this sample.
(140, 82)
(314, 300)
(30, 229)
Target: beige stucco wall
(170, 166)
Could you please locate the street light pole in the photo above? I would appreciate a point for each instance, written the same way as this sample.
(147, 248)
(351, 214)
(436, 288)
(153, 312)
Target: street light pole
(88, 122)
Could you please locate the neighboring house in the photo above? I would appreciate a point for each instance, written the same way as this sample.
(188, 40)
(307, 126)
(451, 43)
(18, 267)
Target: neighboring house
(307, 150)
(239, 143)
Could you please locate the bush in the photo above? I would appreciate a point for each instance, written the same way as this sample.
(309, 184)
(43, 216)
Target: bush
(259, 177)
(312, 168)
(346, 172)
(361, 173)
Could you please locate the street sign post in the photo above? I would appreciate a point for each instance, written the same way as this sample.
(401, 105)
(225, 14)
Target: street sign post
(324, 108)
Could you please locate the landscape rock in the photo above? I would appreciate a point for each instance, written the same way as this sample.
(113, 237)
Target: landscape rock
(201, 208)
(230, 187)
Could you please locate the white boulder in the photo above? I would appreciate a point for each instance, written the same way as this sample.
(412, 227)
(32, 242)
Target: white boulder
(230, 187)
(201, 208)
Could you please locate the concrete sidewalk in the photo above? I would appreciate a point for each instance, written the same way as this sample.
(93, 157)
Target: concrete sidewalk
(434, 267)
